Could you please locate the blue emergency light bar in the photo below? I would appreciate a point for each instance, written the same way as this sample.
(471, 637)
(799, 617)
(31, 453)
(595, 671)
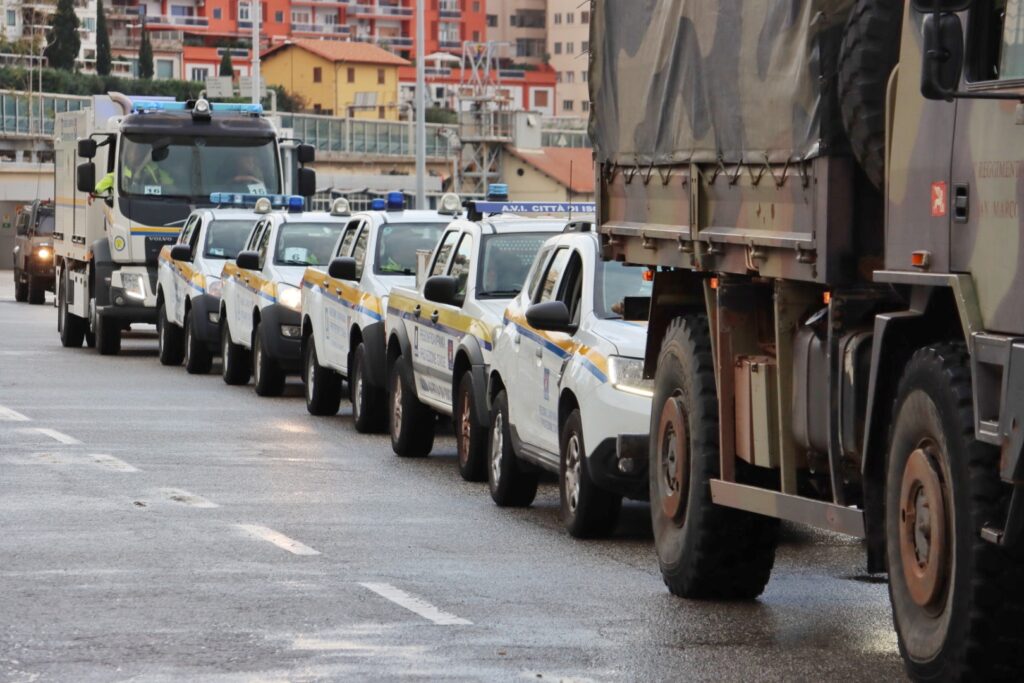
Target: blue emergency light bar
(378, 204)
(396, 201)
(236, 200)
(216, 107)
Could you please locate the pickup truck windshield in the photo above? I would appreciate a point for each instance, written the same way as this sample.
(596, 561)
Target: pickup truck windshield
(306, 244)
(44, 224)
(398, 243)
(615, 282)
(505, 260)
(193, 167)
(224, 239)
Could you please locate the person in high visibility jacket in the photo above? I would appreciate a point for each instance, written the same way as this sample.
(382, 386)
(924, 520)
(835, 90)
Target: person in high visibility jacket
(138, 171)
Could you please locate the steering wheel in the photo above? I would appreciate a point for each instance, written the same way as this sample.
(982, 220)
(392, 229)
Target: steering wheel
(247, 179)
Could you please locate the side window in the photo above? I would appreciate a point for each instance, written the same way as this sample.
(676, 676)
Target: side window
(570, 291)
(193, 241)
(359, 252)
(996, 40)
(539, 265)
(254, 238)
(461, 262)
(264, 244)
(345, 245)
(443, 252)
(548, 288)
(22, 225)
(186, 232)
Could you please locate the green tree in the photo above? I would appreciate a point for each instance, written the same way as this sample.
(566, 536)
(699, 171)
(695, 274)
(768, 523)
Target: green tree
(225, 63)
(145, 56)
(62, 38)
(102, 41)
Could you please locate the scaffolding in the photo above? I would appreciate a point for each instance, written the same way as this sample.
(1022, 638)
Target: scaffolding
(485, 119)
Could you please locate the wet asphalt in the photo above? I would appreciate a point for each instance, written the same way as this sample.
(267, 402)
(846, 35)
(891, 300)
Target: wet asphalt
(156, 526)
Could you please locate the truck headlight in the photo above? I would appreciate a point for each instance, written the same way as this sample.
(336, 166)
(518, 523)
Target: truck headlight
(134, 286)
(214, 286)
(43, 253)
(289, 297)
(627, 374)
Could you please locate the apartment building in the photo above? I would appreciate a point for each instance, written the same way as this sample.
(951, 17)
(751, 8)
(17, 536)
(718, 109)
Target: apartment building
(521, 26)
(521, 89)
(568, 47)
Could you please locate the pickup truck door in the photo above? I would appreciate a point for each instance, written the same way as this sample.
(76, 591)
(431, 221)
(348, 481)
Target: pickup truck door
(434, 340)
(337, 314)
(178, 285)
(244, 291)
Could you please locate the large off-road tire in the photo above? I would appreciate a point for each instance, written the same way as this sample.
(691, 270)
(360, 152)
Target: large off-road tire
(170, 340)
(236, 367)
(267, 375)
(588, 511)
(20, 288)
(410, 423)
(198, 357)
(71, 327)
(510, 484)
(470, 439)
(323, 385)
(369, 403)
(36, 291)
(704, 550)
(958, 600)
(108, 335)
(870, 50)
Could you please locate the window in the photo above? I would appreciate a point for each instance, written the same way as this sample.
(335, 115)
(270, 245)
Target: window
(164, 69)
(558, 17)
(583, 76)
(476, 6)
(365, 100)
(254, 239)
(541, 261)
(305, 244)
(558, 77)
(12, 17)
(492, 19)
(264, 243)
(554, 272)
(570, 48)
(216, 13)
(263, 10)
(567, 105)
(350, 236)
(504, 262)
(89, 23)
(443, 252)
(570, 76)
(998, 41)
(585, 46)
(351, 75)
(397, 245)
(380, 112)
(584, 17)
(279, 17)
(224, 239)
(359, 253)
(317, 74)
(244, 11)
(540, 98)
(558, 48)
(614, 283)
(570, 17)
(381, 76)
(476, 36)
(585, 105)
(200, 73)
(461, 262)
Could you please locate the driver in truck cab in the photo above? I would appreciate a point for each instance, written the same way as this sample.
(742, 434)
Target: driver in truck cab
(246, 176)
(138, 170)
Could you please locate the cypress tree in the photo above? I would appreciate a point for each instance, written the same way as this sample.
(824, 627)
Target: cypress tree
(102, 41)
(62, 37)
(145, 56)
(225, 64)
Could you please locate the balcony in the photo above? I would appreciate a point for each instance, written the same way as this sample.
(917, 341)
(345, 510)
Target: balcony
(375, 10)
(122, 39)
(156, 20)
(377, 39)
(446, 44)
(320, 29)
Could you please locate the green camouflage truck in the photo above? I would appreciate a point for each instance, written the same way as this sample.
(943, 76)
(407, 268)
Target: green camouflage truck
(827, 192)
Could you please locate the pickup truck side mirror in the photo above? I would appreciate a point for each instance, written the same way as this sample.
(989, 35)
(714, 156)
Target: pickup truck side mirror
(85, 177)
(342, 268)
(943, 59)
(549, 316)
(248, 260)
(181, 252)
(442, 289)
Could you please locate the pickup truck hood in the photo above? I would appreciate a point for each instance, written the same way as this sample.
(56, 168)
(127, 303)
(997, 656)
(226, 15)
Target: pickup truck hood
(291, 275)
(628, 337)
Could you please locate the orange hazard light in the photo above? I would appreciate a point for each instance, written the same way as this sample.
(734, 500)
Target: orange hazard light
(648, 276)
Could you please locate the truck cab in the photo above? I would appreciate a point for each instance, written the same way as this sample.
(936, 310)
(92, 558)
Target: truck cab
(441, 334)
(261, 296)
(566, 387)
(189, 286)
(343, 309)
(33, 252)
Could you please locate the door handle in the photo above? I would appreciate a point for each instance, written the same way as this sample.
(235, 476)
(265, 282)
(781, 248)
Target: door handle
(337, 290)
(539, 352)
(416, 311)
(516, 338)
(434, 316)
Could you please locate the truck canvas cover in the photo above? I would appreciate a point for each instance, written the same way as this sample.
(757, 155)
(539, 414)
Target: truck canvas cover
(675, 81)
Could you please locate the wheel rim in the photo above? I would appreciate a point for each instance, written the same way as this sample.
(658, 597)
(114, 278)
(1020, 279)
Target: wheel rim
(257, 358)
(188, 342)
(161, 330)
(497, 447)
(573, 473)
(673, 459)
(224, 347)
(358, 391)
(311, 373)
(396, 407)
(924, 533)
(465, 431)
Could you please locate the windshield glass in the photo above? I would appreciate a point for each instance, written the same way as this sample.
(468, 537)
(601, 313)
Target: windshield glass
(397, 244)
(615, 282)
(505, 260)
(224, 239)
(190, 167)
(306, 244)
(44, 224)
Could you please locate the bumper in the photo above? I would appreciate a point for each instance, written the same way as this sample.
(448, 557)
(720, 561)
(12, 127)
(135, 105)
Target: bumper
(619, 465)
(206, 320)
(617, 423)
(128, 313)
(275, 321)
(41, 271)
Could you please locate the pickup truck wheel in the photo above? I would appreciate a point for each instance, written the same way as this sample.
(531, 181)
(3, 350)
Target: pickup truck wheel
(236, 368)
(704, 550)
(510, 486)
(471, 440)
(268, 377)
(369, 403)
(36, 291)
(323, 385)
(410, 422)
(957, 599)
(108, 335)
(20, 288)
(588, 511)
(71, 327)
(169, 339)
(198, 358)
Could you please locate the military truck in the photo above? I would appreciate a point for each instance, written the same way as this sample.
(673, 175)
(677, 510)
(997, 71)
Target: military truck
(33, 252)
(827, 192)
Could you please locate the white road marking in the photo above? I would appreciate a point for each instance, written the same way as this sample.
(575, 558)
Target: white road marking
(9, 415)
(277, 538)
(53, 434)
(416, 605)
(95, 459)
(111, 463)
(185, 498)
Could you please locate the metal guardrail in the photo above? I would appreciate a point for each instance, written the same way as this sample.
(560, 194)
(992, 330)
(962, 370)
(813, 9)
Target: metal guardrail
(20, 116)
(375, 138)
